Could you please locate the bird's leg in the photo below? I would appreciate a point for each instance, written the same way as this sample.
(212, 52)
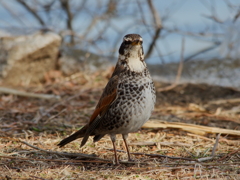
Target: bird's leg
(113, 138)
(126, 144)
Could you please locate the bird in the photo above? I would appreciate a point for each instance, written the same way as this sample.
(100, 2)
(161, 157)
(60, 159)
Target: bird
(127, 100)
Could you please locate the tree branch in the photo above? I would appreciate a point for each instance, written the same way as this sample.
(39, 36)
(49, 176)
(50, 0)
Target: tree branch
(66, 8)
(202, 51)
(32, 11)
(236, 16)
(158, 28)
(180, 66)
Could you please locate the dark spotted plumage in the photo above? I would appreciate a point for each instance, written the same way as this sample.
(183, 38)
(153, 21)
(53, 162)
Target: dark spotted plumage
(127, 100)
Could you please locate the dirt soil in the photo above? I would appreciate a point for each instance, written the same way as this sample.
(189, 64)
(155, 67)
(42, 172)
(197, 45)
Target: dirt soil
(32, 127)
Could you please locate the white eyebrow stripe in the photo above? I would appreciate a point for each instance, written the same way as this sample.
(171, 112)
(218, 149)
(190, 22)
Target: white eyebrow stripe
(130, 39)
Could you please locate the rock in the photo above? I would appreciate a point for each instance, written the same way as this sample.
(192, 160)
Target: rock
(74, 60)
(25, 59)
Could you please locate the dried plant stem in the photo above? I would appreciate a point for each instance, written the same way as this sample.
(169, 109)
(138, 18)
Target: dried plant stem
(179, 71)
(75, 155)
(27, 94)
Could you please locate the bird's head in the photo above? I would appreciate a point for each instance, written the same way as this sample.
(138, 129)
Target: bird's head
(131, 52)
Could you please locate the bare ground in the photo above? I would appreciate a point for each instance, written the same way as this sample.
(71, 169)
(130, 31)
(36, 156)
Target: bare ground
(31, 129)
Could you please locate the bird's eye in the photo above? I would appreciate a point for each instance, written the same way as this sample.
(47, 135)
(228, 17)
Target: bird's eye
(128, 42)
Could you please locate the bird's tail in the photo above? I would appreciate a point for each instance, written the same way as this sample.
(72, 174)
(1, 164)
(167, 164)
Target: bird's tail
(76, 135)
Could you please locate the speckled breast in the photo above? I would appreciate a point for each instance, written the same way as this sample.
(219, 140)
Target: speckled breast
(133, 106)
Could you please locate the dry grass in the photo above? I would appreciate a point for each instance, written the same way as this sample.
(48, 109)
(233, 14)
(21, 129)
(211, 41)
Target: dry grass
(19, 161)
(43, 123)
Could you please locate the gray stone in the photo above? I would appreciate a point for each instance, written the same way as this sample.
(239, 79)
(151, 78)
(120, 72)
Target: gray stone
(25, 59)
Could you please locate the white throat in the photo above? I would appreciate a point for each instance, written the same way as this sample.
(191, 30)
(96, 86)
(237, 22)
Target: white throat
(135, 64)
(134, 61)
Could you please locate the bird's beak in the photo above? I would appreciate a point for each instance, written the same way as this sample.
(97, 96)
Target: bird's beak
(136, 42)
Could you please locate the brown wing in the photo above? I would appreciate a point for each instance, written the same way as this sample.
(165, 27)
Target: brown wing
(108, 96)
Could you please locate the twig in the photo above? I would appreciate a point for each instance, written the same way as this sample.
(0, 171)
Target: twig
(27, 94)
(148, 29)
(196, 35)
(171, 157)
(205, 159)
(158, 28)
(203, 164)
(202, 51)
(54, 160)
(13, 13)
(213, 151)
(161, 143)
(216, 144)
(158, 155)
(165, 156)
(214, 18)
(179, 72)
(236, 16)
(32, 11)
(197, 129)
(72, 155)
(180, 66)
(53, 116)
(230, 154)
(66, 8)
(225, 101)
(69, 161)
